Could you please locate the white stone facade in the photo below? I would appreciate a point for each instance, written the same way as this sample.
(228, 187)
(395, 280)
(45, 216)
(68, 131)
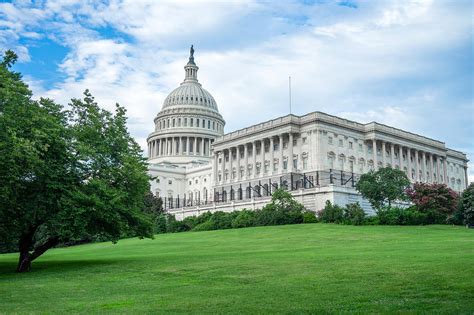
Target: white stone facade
(195, 163)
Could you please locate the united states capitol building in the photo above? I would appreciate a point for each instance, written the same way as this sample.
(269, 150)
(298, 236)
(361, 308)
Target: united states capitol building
(196, 167)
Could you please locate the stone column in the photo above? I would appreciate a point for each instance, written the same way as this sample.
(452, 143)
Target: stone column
(400, 157)
(194, 146)
(445, 171)
(392, 155)
(270, 150)
(438, 168)
(366, 157)
(187, 146)
(431, 168)
(374, 152)
(223, 166)
(216, 156)
(230, 164)
(254, 159)
(417, 167)
(262, 150)
(423, 161)
(409, 163)
(281, 154)
(202, 146)
(180, 145)
(238, 163)
(246, 160)
(384, 162)
(290, 152)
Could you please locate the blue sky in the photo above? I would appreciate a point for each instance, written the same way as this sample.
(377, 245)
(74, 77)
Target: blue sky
(407, 64)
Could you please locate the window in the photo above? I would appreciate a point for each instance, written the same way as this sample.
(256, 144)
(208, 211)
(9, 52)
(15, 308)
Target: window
(191, 123)
(185, 122)
(266, 168)
(170, 182)
(158, 180)
(203, 123)
(208, 124)
(227, 158)
(329, 140)
(179, 122)
(350, 145)
(275, 166)
(340, 143)
(173, 122)
(213, 125)
(275, 146)
(295, 164)
(294, 142)
(196, 181)
(190, 183)
(197, 122)
(305, 163)
(285, 165)
(304, 139)
(360, 147)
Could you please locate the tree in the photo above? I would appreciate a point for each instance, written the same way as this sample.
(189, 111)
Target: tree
(384, 186)
(65, 175)
(437, 197)
(466, 205)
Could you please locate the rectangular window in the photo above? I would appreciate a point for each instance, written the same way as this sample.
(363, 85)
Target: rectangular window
(294, 142)
(341, 143)
(360, 147)
(295, 164)
(185, 122)
(305, 163)
(275, 166)
(285, 165)
(208, 124)
(329, 140)
(350, 145)
(191, 123)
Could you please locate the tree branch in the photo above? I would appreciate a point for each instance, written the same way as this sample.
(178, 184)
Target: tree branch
(38, 251)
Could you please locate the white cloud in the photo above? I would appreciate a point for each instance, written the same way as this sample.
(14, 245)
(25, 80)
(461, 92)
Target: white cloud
(370, 63)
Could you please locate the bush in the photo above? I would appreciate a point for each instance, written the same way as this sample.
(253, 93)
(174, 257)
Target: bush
(221, 220)
(173, 225)
(309, 217)
(205, 226)
(244, 218)
(466, 205)
(400, 216)
(354, 214)
(331, 213)
(161, 224)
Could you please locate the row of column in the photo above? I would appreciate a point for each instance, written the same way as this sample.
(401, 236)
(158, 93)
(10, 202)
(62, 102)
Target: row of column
(428, 163)
(171, 146)
(239, 149)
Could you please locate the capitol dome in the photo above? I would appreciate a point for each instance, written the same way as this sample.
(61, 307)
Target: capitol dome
(188, 123)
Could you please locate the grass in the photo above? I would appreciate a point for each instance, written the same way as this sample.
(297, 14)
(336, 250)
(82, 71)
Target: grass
(286, 269)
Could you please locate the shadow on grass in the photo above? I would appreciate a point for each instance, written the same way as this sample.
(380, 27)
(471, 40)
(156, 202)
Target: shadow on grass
(59, 266)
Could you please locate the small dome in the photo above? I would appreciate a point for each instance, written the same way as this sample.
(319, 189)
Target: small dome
(190, 93)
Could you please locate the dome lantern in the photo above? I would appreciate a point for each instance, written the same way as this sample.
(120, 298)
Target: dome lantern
(191, 69)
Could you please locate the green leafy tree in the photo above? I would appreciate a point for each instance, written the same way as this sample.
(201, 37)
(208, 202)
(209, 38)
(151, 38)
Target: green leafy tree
(384, 186)
(466, 205)
(65, 175)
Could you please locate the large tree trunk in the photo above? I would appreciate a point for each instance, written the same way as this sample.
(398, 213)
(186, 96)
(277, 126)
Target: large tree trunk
(24, 262)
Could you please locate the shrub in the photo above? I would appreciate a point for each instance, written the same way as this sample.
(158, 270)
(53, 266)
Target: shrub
(221, 220)
(331, 213)
(161, 224)
(309, 217)
(205, 226)
(466, 205)
(400, 216)
(354, 214)
(438, 201)
(173, 225)
(244, 218)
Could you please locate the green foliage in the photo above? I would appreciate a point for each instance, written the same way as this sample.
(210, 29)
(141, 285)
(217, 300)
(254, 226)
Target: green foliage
(383, 187)
(354, 214)
(68, 175)
(331, 213)
(401, 216)
(244, 218)
(466, 205)
(205, 226)
(174, 226)
(309, 217)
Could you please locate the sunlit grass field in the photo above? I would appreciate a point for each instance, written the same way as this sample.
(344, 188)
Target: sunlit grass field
(310, 268)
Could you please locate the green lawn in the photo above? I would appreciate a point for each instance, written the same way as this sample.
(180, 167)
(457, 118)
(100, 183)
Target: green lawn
(286, 269)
